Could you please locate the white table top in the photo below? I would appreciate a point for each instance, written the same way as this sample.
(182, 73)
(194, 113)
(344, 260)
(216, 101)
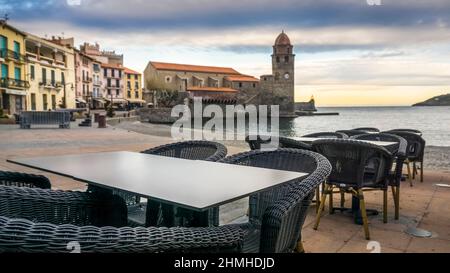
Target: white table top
(193, 184)
(311, 139)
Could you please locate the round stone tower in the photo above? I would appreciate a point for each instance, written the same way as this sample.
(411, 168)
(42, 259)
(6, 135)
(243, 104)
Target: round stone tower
(283, 67)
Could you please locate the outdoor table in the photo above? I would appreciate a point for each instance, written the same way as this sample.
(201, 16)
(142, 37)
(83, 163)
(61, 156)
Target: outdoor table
(385, 144)
(191, 184)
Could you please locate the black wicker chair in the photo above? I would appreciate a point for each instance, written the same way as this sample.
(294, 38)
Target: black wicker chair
(368, 129)
(24, 180)
(414, 131)
(255, 142)
(400, 155)
(350, 160)
(414, 152)
(299, 193)
(158, 213)
(351, 133)
(37, 220)
(327, 135)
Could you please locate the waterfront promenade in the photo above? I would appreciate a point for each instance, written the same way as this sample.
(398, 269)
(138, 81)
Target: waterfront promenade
(425, 205)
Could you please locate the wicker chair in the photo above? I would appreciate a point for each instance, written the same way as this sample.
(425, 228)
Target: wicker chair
(351, 133)
(327, 135)
(24, 180)
(164, 214)
(400, 155)
(368, 129)
(36, 220)
(414, 153)
(299, 193)
(349, 159)
(414, 131)
(255, 142)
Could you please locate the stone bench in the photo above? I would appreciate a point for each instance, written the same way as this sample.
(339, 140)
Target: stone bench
(28, 118)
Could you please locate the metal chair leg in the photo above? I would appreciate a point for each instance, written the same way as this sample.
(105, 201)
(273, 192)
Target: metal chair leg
(409, 173)
(322, 204)
(362, 205)
(317, 199)
(300, 248)
(330, 206)
(414, 171)
(421, 171)
(397, 205)
(385, 194)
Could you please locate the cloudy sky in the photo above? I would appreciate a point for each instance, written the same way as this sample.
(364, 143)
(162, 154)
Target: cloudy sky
(348, 52)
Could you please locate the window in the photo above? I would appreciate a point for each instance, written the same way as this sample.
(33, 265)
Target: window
(240, 84)
(84, 89)
(44, 101)
(136, 94)
(109, 92)
(113, 72)
(286, 59)
(33, 102)
(117, 83)
(128, 76)
(32, 72)
(117, 92)
(136, 77)
(168, 79)
(4, 71)
(54, 102)
(278, 59)
(129, 84)
(105, 72)
(44, 76)
(136, 85)
(17, 73)
(129, 94)
(63, 78)
(52, 75)
(3, 45)
(254, 85)
(87, 89)
(83, 75)
(109, 82)
(16, 50)
(120, 73)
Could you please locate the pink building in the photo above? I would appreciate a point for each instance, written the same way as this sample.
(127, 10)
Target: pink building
(87, 78)
(112, 83)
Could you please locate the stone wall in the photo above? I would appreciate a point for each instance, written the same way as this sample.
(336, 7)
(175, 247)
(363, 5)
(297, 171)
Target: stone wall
(156, 115)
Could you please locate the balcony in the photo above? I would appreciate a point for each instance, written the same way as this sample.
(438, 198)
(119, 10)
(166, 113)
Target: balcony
(14, 83)
(12, 56)
(87, 79)
(48, 84)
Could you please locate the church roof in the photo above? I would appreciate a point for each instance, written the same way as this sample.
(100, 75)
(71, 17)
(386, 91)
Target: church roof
(194, 68)
(282, 39)
(242, 78)
(211, 89)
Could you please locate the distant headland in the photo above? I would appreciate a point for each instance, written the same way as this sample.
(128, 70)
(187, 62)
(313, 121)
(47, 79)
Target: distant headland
(442, 100)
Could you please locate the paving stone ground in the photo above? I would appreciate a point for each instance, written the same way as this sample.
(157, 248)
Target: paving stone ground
(424, 206)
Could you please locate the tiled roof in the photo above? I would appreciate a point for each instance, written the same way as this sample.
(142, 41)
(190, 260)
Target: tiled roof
(130, 71)
(116, 66)
(242, 78)
(194, 68)
(212, 89)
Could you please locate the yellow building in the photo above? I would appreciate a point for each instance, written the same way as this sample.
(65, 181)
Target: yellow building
(13, 82)
(133, 87)
(51, 74)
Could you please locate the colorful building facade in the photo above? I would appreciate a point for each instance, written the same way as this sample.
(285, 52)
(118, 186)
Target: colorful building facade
(13, 81)
(113, 84)
(51, 74)
(133, 87)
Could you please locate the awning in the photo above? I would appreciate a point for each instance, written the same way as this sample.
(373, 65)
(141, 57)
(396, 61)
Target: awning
(80, 100)
(101, 100)
(136, 101)
(16, 92)
(118, 100)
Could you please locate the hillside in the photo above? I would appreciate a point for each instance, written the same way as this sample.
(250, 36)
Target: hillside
(443, 100)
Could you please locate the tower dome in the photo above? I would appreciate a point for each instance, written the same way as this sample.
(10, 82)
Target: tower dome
(282, 39)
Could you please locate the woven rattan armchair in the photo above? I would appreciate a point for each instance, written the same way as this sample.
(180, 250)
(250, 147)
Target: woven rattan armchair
(414, 152)
(350, 160)
(164, 214)
(24, 180)
(255, 142)
(327, 135)
(291, 199)
(400, 155)
(414, 131)
(351, 133)
(65, 217)
(368, 129)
